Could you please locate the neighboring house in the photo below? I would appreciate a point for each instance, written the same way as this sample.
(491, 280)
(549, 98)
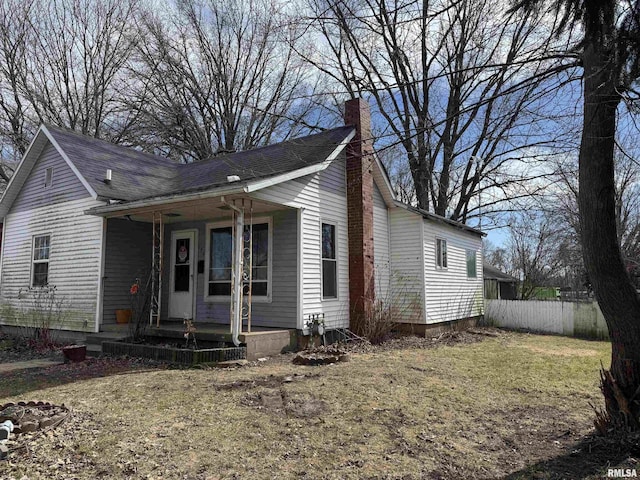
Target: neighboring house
(499, 285)
(325, 230)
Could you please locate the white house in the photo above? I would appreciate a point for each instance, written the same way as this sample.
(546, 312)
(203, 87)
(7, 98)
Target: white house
(274, 236)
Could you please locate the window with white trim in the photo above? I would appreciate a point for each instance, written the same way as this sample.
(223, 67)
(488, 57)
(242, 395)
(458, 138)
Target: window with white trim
(471, 264)
(40, 260)
(220, 260)
(329, 262)
(441, 253)
(48, 177)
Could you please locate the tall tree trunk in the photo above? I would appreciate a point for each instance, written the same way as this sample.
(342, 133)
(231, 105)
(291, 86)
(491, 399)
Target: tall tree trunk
(613, 289)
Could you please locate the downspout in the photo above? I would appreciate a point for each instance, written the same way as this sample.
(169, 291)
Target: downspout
(236, 300)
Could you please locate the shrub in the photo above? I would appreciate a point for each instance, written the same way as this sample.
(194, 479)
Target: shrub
(40, 316)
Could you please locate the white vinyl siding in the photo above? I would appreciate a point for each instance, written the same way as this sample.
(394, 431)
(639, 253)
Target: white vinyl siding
(74, 260)
(382, 262)
(65, 184)
(407, 265)
(323, 194)
(449, 293)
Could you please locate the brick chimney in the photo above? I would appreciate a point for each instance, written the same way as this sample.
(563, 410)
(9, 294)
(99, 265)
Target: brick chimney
(360, 213)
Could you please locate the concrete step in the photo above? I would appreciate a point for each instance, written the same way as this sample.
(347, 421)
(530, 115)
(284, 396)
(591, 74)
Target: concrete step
(98, 338)
(114, 327)
(94, 341)
(94, 350)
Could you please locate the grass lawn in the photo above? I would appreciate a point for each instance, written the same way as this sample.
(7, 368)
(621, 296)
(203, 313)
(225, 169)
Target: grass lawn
(514, 406)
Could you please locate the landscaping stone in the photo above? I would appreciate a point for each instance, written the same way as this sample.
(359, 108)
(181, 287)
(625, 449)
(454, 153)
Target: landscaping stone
(32, 416)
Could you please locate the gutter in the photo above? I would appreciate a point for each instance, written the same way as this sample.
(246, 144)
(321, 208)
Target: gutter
(155, 201)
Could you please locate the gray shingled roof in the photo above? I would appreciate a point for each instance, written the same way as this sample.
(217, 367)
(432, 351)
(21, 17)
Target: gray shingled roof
(137, 175)
(492, 273)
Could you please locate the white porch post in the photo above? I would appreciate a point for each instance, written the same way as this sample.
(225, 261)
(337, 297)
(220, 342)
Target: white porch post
(236, 275)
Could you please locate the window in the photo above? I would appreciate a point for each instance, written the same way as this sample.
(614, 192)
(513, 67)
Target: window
(471, 264)
(48, 177)
(441, 253)
(40, 259)
(329, 262)
(221, 260)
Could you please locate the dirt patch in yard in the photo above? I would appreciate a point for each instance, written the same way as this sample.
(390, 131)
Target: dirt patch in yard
(281, 402)
(274, 399)
(271, 381)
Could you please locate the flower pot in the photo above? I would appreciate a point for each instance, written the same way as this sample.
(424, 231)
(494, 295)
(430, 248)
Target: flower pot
(74, 353)
(123, 316)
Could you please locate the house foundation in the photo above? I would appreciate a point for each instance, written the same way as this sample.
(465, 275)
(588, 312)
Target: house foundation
(424, 330)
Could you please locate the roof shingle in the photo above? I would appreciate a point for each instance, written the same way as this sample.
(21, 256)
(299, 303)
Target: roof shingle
(137, 175)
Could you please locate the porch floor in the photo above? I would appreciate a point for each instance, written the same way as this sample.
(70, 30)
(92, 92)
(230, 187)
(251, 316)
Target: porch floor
(260, 342)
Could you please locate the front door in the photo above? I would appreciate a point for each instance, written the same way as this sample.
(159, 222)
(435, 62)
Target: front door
(182, 283)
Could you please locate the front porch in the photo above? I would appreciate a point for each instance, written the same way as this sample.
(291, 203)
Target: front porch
(190, 249)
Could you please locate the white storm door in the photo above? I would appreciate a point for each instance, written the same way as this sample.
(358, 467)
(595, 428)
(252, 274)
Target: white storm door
(182, 283)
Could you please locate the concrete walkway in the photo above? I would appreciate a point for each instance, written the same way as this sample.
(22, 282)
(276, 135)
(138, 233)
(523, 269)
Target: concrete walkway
(36, 363)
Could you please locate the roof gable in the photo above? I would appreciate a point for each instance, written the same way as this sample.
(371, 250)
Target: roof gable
(40, 141)
(64, 184)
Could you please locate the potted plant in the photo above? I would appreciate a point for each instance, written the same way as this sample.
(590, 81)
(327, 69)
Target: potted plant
(74, 353)
(123, 316)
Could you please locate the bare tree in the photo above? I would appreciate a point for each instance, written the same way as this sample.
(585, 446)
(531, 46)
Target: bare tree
(219, 76)
(562, 205)
(14, 127)
(61, 63)
(530, 252)
(75, 63)
(461, 90)
(609, 51)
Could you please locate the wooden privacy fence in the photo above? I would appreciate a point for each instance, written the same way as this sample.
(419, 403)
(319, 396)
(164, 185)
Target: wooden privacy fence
(575, 319)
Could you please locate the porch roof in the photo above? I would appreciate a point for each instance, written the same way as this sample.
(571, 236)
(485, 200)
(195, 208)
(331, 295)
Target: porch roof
(196, 209)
